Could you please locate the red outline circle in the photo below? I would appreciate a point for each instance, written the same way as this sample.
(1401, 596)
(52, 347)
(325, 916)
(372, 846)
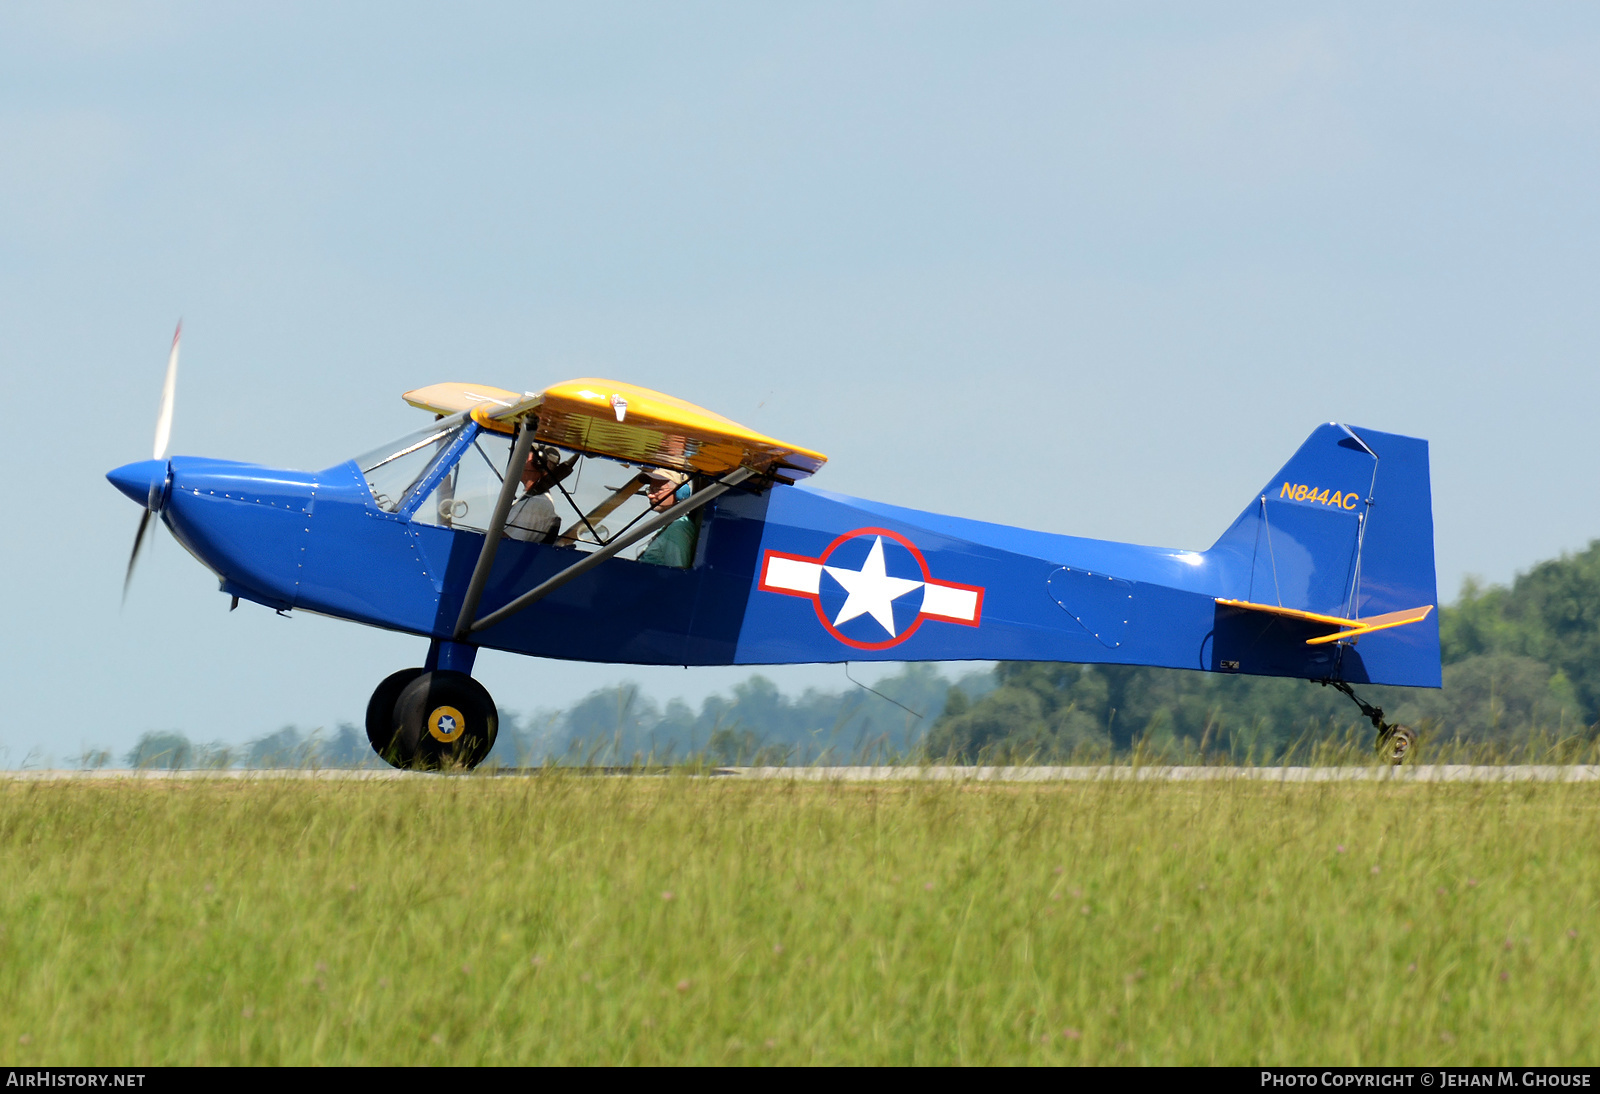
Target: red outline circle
(922, 563)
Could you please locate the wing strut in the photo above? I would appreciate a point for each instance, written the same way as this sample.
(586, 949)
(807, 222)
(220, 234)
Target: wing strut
(467, 627)
(497, 528)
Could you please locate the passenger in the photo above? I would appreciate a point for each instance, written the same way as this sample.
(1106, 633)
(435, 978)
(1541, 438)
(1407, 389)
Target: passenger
(533, 518)
(674, 544)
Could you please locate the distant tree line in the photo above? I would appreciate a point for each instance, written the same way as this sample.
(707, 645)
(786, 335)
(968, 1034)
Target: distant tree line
(1521, 671)
(346, 746)
(755, 724)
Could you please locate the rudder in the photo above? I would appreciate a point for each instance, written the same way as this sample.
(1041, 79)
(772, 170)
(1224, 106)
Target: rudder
(1344, 529)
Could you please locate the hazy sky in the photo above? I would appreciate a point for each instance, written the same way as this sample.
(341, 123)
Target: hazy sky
(1088, 268)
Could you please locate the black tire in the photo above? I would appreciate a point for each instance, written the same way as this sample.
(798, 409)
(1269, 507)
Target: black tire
(380, 709)
(1397, 744)
(443, 719)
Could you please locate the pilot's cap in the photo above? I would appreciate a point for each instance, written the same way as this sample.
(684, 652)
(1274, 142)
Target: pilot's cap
(660, 476)
(544, 456)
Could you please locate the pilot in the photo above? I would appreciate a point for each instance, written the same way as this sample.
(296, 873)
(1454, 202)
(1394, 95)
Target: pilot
(674, 544)
(533, 517)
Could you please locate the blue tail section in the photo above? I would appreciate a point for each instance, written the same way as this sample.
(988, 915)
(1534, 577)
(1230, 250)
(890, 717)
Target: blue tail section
(1345, 529)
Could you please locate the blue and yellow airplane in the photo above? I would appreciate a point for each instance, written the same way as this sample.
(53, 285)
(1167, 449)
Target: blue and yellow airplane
(1327, 574)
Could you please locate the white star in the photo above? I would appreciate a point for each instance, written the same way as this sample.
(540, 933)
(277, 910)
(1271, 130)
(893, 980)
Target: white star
(872, 591)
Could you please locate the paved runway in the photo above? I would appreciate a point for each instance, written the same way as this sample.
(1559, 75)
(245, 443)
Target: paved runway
(1454, 773)
(1420, 773)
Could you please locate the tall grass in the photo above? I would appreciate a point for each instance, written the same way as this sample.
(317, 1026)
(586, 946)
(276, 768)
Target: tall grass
(564, 919)
(1319, 744)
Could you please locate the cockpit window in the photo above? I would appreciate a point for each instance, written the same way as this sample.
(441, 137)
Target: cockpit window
(392, 470)
(583, 503)
(465, 496)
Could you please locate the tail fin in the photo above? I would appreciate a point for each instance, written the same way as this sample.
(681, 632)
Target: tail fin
(1344, 530)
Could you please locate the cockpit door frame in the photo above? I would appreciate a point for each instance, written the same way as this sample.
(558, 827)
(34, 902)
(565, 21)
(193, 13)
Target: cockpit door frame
(441, 466)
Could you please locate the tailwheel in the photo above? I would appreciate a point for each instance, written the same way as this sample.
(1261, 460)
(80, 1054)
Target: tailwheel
(442, 720)
(1395, 744)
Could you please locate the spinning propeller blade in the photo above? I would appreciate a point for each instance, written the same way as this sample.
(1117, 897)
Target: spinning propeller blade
(138, 542)
(169, 389)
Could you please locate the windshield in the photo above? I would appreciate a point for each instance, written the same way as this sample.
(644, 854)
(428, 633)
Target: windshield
(584, 503)
(392, 469)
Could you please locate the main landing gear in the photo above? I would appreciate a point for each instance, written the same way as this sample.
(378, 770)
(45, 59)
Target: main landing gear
(1394, 742)
(433, 718)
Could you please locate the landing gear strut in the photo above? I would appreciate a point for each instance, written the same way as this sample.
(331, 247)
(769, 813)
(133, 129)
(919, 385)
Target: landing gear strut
(433, 718)
(1394, 742)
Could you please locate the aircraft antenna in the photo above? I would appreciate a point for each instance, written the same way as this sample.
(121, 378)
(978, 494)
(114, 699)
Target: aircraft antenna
(878, 693)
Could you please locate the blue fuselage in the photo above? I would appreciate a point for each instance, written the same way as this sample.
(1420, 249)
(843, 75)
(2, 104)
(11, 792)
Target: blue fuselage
(788, 575)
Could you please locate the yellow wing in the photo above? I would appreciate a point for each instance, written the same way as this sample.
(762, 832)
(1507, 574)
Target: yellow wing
(1348, 628)
(626, 422)
(454, 398)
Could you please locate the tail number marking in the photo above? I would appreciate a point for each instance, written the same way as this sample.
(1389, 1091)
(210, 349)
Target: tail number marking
(1312, 496)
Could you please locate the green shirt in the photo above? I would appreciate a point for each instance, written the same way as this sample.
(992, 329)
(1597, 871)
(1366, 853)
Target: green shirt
(673, 545)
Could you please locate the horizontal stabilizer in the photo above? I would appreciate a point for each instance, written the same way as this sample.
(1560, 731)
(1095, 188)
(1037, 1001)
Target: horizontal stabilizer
(1345, 628)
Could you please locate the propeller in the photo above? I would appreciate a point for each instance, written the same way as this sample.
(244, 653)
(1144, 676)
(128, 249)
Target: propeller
(169, 388)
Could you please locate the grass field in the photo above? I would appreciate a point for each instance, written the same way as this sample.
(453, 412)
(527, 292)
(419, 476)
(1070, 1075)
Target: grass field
(564, 919)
